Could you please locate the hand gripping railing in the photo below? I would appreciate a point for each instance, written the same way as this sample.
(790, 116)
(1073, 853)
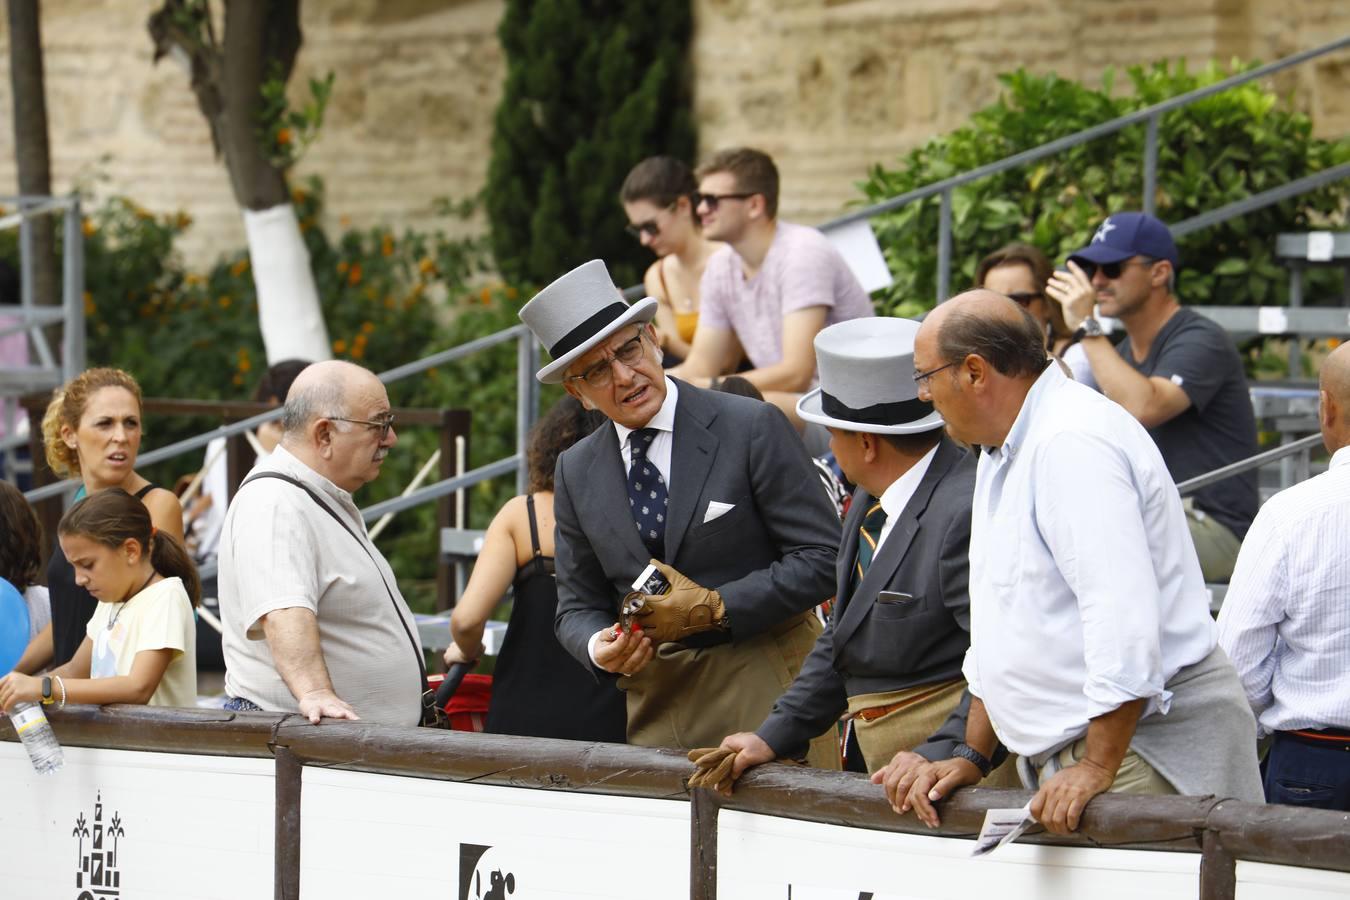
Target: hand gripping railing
(1149, 117)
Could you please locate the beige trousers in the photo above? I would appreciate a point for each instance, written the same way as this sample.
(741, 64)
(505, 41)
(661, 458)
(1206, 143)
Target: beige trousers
(1135, 776)
(687, 698)
(1215, 545)
(920, 712)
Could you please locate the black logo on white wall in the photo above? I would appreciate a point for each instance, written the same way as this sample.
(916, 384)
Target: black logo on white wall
(98, 876)
(484, 874)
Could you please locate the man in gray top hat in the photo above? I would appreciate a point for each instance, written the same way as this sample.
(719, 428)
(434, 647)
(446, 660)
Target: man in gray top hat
(714, 490)
(891, 654)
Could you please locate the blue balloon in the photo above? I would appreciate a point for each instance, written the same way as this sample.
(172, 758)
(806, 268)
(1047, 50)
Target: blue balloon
(13, 626)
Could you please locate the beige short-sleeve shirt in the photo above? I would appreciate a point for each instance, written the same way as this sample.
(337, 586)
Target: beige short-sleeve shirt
(278, 550)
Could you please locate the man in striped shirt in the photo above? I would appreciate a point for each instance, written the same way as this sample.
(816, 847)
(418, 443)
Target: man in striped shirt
(1286, 619)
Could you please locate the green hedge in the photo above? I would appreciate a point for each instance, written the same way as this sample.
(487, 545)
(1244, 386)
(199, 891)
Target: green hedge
(1224, 148)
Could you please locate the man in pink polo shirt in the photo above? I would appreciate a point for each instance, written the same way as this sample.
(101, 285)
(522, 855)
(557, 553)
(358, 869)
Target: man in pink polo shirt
(770, 290)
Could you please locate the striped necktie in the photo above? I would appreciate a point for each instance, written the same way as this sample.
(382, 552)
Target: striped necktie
(868, 535)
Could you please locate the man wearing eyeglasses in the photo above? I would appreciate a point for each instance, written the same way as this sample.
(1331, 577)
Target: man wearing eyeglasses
(314, 621)
(1177, 372)
(714, 491)
(766, 295)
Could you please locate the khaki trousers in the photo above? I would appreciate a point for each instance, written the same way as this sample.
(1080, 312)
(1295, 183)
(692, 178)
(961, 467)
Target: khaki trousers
(1135, 776)
(686, 698)
(920, 712)
(1215, 545)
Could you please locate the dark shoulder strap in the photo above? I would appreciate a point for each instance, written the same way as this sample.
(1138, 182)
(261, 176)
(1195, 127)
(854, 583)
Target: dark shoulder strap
(534, 525)
(417, 648)
(140, 495)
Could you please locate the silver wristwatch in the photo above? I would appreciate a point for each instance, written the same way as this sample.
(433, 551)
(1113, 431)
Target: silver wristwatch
(1090, 328)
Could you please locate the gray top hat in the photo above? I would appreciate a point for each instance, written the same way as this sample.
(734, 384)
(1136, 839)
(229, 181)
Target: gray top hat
(867, 379)
(578, 311)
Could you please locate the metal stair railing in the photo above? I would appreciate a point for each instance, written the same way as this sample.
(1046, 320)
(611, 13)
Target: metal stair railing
(1149, 117)
(527, 400)
(31, 318)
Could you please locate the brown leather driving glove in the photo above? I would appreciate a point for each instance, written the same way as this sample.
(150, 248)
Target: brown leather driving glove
(712, 768)
(686, 609)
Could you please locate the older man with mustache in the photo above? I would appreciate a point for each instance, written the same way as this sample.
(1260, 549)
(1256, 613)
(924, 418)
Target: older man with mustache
(314, 621)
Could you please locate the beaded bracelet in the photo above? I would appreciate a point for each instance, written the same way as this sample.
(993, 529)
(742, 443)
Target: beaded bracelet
(61, 684)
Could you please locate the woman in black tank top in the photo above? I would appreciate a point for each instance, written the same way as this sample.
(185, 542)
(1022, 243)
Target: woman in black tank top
(538, 688)
(92, 430)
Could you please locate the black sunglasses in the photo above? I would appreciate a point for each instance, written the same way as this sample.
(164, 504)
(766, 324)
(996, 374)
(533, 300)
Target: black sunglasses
(711, 200)
(1112, 270)
(649, 227)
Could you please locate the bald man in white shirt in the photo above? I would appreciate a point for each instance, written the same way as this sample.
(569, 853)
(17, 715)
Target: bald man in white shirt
(1093, 655)
(1286, 619)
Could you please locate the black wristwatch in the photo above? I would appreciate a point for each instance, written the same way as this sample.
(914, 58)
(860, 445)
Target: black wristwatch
(46, 690)
(1090, 328)
(967, 752)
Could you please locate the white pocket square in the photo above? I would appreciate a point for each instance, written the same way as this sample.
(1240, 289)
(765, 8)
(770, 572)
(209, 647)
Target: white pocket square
(717, 510)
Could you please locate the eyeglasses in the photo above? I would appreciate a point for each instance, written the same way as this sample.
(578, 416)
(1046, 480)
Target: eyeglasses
(1112, 270)
(1025, 298)
(649, 227)
(602, 373)
(921, 377)
(384, 424)
(711, 200)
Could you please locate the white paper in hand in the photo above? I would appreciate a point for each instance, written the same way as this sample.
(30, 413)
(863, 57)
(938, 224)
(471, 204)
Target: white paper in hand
(1002, 826)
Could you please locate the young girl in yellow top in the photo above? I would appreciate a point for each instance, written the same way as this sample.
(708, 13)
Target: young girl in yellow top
(141, 644)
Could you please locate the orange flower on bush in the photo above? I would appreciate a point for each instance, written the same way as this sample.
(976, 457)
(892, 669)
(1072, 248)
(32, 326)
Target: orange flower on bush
(87, 227)
(342, 267)
(239, 268)
(426, 266)
(89, 307)
(283, 136)
(225, 301)
(367, 327)
(485, 296)
(340, 346)
(354, 275)
(387, 246)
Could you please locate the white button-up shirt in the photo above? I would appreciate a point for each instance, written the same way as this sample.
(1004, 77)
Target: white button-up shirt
(1085, 589)
(664, 422)
(896, 497)
(1285, 621)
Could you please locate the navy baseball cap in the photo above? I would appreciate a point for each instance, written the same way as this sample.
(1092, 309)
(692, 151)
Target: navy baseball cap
(1129, 234)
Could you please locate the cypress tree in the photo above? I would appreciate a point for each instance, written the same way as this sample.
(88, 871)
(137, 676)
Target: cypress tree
(592, 88)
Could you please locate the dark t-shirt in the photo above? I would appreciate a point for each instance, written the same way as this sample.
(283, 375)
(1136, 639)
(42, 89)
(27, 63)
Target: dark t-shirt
(1218, 427)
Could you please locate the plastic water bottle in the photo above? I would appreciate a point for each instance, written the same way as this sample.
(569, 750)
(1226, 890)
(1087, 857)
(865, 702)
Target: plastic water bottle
(38, 738)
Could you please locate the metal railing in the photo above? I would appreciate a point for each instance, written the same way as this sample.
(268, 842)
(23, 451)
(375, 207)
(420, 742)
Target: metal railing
(1149, 117)
(1301, 446)
(32, 318)
(527, 399)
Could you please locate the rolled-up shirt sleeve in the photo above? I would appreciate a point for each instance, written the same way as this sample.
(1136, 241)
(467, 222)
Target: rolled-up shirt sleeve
(1102, 552)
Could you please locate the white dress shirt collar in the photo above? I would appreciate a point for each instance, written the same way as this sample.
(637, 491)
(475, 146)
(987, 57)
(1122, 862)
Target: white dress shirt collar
(664, 420)
(896, 497)
(1340, 458)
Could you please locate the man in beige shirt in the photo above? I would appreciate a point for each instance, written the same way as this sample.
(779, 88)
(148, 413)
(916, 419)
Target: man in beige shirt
(314, 621)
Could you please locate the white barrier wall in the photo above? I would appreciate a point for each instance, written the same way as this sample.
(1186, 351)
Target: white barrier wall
(367, 835)
(149, 826)
(768, 858)
(1262, 881)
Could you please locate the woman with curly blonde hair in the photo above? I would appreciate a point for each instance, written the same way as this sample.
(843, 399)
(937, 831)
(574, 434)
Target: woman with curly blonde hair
(92, 431)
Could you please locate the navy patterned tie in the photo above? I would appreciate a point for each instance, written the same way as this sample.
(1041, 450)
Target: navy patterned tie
(868, 535)
(647, 493)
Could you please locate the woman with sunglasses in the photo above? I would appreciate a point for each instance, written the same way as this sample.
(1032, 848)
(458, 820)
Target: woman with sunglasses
(658, 198)
(1020, 272)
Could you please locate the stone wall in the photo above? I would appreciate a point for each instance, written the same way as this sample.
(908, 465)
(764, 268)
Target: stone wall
(827, 86)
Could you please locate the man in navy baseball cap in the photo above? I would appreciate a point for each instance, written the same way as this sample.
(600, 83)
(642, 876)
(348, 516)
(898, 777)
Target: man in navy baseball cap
(1126, 235)
(1177, 372)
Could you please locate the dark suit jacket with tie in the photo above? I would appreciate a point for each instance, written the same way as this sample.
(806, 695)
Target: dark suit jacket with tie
(771, 556)
(871, 645)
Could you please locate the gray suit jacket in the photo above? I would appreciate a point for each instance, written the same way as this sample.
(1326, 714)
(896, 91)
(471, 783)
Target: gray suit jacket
(771, 556)
(871, 645)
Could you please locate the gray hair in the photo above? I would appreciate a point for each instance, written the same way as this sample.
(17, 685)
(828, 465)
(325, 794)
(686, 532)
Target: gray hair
(307, 402)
